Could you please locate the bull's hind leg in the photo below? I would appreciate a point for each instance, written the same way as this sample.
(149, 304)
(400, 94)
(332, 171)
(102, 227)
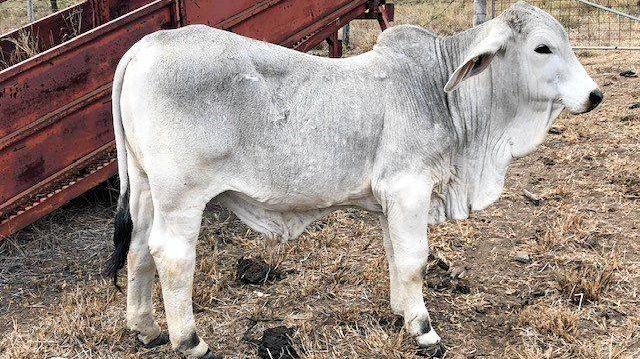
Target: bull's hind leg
(172, 243)
(141, 269)
(406, 207)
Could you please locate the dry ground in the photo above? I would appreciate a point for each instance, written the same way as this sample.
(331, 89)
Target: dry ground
(577, 297)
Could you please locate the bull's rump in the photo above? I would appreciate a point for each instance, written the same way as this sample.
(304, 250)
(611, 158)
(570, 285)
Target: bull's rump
(284, 128)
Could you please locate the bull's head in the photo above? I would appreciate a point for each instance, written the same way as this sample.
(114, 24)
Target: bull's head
(548, 70)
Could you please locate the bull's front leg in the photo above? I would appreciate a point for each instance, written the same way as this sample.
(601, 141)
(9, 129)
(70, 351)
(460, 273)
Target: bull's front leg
(396, 298)
(406, 207)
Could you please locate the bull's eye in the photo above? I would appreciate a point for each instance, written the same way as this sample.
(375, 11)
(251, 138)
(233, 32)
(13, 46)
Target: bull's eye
(543, 49)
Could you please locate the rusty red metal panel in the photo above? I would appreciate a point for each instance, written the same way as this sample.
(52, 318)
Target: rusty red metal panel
(58, 197)
(106, 10)
(69, 134)
(335, 45)
(386, 16)
(309, 38)
(267, 20)
(291, 17)
(55, 113)
(57, 77)
(56, 140)
(214, 12)
(312, 35)
(382, 12)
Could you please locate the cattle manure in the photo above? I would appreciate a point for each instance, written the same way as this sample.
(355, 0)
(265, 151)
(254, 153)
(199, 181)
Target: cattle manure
(439, 261)
(433, 351)
(556, 130)
(276, 343)
(522, 257)
(456, 285)
(256, 271)
(628, 73)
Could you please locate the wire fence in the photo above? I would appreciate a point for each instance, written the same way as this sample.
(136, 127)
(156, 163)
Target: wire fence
(591, 24)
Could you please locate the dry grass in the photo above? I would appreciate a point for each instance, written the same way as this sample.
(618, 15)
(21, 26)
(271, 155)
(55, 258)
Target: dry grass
(26, 46)
(576, 298)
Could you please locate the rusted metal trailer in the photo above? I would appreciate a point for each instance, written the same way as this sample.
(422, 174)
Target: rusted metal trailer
(56, 136)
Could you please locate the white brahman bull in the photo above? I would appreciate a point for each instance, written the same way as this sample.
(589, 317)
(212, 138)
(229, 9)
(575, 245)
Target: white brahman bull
(420, 129)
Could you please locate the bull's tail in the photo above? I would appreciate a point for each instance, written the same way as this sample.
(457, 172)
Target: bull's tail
(123, 226)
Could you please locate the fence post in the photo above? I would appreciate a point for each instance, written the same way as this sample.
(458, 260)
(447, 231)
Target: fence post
(30, 11)
(480, 15)
(345, 35)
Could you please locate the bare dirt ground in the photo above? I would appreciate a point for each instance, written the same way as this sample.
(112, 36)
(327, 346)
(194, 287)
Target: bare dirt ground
(576, 296)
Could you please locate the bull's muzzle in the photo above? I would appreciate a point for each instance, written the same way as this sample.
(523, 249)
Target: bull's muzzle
(595, 97)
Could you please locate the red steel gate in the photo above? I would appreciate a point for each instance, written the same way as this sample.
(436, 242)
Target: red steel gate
(56, 135)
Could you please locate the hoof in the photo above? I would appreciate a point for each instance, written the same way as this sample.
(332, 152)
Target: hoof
(209, 355)
(161, 339)
(433, 351)
(429, 339)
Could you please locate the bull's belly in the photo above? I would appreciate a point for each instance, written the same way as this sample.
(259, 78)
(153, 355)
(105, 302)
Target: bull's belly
(287, 216)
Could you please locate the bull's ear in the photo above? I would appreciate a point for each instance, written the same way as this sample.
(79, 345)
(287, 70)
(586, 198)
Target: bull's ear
(480, 56)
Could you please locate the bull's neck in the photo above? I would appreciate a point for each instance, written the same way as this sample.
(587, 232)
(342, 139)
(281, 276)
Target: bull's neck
(479, 113)
(470, 107)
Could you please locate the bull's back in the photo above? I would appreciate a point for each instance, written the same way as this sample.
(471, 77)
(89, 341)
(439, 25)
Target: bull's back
(271, 120)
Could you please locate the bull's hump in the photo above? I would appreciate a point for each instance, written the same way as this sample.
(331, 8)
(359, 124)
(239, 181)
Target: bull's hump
(401, 35)
(411, 42)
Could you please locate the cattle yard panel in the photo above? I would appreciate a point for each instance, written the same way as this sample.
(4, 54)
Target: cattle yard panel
(56, 135)
(56, 130)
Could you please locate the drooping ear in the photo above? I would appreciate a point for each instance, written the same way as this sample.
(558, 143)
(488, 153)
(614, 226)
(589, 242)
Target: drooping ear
(480, 56)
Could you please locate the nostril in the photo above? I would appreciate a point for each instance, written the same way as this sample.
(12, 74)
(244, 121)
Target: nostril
(595, 97)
